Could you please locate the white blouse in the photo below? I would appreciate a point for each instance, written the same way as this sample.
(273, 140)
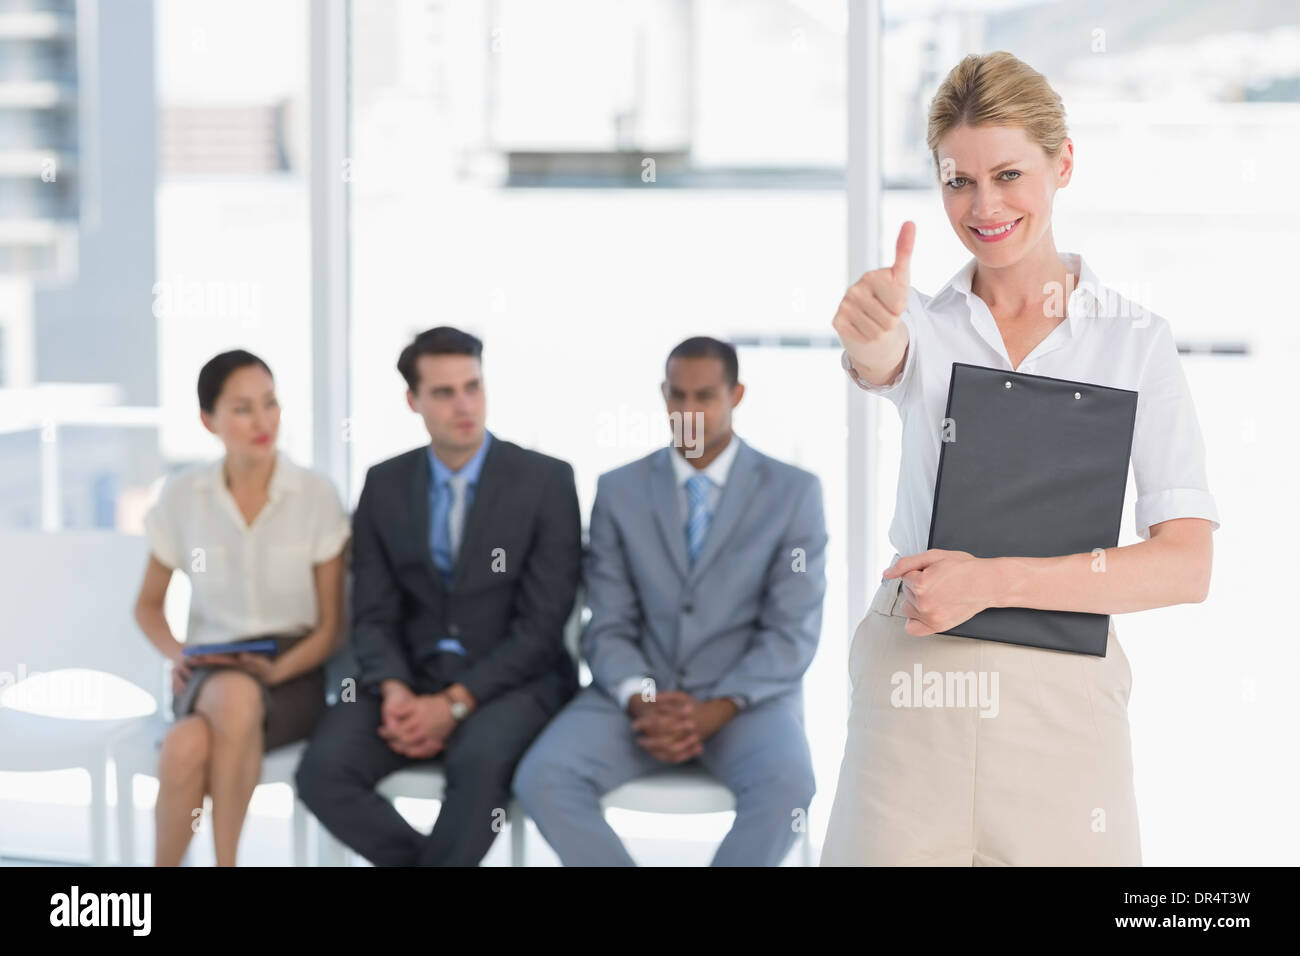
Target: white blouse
(1105, 339)
(248, 580)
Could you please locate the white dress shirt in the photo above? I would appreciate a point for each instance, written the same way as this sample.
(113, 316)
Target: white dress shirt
(717, 470)
(248, 580)
(1104, 339)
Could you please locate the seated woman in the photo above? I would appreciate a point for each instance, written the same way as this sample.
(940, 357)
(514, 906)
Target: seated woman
(261, 540)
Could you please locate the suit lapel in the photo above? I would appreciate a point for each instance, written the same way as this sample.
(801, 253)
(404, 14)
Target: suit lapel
(742, 484)
(667, 508)
(421, 481)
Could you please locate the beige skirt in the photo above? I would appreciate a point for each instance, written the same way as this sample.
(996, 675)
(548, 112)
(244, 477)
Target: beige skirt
(965, 752)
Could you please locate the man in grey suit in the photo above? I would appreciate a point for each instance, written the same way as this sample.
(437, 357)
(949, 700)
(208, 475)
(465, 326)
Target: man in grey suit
(704, 576)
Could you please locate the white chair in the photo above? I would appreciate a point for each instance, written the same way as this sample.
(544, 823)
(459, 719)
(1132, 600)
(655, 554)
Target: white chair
(428, 782)
(687, 789)
(421, 783)
(137, 753)
(68, 599)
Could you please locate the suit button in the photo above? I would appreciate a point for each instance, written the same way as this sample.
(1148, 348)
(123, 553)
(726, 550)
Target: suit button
(453, 630)
(688, 607)
(681, 672)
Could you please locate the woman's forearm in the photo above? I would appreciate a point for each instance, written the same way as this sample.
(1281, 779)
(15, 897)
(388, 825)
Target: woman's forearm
(1159, 572)
(306, 655)
(153, 622)
(314, 649)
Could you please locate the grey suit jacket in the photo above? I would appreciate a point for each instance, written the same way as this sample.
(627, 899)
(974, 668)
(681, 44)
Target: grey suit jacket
(745, 619)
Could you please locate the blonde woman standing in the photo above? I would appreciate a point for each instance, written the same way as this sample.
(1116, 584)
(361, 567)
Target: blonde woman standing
(1041, 774)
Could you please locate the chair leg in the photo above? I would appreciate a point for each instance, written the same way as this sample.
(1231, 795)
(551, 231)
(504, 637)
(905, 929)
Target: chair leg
(330, 851)
(125, 813)
(98, 813)
(806, 850)
(518, 834)
(299, 814)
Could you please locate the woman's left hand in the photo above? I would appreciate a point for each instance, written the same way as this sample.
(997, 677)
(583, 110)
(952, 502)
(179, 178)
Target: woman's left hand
(941, 589)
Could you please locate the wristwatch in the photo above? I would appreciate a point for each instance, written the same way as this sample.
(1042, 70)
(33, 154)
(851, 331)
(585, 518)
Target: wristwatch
(459, 710)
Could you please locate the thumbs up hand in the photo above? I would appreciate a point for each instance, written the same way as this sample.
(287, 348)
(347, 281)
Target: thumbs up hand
(869, 319)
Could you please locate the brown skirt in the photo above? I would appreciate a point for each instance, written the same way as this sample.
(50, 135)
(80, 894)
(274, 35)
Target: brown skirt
(290, 709)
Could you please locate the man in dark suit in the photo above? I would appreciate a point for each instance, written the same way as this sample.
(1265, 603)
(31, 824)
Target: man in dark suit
(466, 558)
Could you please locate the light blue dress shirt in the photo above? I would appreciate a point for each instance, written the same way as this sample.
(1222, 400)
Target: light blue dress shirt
(440, 503)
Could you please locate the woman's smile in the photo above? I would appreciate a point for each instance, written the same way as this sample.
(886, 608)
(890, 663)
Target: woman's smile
(995, 232)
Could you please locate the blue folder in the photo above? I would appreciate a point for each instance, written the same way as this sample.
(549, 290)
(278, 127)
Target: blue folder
(255, 646)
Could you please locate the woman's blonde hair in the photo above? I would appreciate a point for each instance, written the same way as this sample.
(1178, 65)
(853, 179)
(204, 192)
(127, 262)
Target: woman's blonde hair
(997, 89)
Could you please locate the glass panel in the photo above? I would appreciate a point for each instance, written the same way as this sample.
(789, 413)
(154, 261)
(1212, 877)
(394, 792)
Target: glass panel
(583, 206)
(153, 212)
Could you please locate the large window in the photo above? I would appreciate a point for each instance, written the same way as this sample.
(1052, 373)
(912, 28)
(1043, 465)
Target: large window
(585, 204)
(583, 184)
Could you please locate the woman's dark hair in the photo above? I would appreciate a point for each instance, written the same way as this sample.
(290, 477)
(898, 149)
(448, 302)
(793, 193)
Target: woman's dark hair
(213, 375)
(701, 346)
(444, 340)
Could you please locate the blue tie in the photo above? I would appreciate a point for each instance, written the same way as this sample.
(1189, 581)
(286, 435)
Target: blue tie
(697, 524)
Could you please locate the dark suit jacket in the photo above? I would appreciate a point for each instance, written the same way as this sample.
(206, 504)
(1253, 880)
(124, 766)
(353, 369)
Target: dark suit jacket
(514, 587)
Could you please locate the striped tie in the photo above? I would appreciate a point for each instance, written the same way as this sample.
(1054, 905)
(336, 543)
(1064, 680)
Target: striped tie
(456, 513)
(697, 525)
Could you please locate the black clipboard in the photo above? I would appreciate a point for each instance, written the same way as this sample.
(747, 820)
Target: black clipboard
(1032, 466)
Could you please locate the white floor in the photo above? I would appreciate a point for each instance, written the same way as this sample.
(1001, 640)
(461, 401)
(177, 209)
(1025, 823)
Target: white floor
(42, 831)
